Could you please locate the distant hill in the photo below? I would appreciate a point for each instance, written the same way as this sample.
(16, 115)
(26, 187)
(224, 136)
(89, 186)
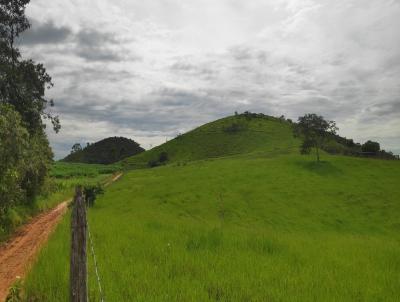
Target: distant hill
(234, 135)
(106, 151)
(245, 134)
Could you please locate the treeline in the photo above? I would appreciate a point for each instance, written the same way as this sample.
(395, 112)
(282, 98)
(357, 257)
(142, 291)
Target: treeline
(331, 143)
(345, 146)
(25, 153)
(106, 151)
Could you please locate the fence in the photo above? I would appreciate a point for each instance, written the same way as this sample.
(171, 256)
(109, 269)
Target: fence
(78, 265)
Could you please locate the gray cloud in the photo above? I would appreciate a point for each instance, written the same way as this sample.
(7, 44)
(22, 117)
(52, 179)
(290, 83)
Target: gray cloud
(93, 45)
(99, 54)
(384, 110)
(88, 44)
(45, 33)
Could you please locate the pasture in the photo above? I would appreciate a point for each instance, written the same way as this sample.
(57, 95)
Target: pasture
(247, 228)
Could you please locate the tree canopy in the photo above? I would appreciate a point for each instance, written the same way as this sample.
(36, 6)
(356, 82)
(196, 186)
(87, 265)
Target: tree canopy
(24, 148)
(23, 82)
(371, 147)
(314, 130)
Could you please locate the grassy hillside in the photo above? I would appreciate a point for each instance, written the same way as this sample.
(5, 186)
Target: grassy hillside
(228, 136)
(106, 151)
(250, 228)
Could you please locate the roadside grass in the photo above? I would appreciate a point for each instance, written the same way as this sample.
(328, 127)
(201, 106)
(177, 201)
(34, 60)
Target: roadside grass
(278, 228)
(58, 188)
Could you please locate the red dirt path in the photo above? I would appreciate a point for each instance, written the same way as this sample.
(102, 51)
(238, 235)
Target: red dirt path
(18, 253)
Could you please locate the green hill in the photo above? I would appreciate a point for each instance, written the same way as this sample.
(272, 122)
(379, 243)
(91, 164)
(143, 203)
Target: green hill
(234, 135)
(240, 135)
(106, 151)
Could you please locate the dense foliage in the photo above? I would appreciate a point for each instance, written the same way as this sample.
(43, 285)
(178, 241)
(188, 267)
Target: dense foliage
(106, 151)
(314, 130)
(371, 147)
(342, 145)
(23, 82)
(25, 154)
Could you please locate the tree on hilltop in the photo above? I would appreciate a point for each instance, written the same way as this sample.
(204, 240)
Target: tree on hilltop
(314, 130)
(76, 148)
(371, 147)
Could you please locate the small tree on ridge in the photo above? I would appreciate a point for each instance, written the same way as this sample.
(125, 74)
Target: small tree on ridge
(314, 130)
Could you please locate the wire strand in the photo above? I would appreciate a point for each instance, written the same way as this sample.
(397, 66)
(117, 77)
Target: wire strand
(95, 265)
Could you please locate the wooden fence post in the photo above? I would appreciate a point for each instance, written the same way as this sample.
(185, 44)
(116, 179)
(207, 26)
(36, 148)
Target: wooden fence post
(78, 265)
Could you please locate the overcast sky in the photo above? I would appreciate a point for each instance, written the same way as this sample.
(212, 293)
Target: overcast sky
(150, 69)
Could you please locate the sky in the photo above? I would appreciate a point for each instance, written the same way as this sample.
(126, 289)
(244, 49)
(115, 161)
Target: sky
(148, 70)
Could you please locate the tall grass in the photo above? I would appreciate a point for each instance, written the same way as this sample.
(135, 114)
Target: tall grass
(251, 229)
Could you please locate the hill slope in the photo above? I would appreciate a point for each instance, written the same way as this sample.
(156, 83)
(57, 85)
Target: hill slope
(279, 228)
(225, 137)
(106, 151)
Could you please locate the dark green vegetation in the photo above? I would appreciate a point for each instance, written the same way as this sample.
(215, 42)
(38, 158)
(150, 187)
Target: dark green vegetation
(106, 151)
(315, 131)
(255, 221)
(25, 154)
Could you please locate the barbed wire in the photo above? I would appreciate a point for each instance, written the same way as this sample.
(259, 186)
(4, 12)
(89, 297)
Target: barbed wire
(102, 299)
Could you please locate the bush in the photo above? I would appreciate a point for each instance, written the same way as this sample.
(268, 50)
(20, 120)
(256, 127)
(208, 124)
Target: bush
(371, 147)
(162, 159)
(234, 128)
(91, 192)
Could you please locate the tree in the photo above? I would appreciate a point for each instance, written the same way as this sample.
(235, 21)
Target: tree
(314, 130)
(25, 153)
(25, 160)
(371, 147)
(13, 142)
(76, 148)
(22, 82)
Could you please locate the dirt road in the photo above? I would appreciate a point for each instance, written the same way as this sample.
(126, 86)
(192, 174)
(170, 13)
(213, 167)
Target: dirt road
(18, 253)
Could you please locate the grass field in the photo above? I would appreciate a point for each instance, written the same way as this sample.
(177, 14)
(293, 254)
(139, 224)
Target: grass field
(65, 176)
(262, 227)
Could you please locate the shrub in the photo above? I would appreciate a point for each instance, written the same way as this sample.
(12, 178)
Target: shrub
(234, 128)
(162, 159)
(371, 147)
(91, 193)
